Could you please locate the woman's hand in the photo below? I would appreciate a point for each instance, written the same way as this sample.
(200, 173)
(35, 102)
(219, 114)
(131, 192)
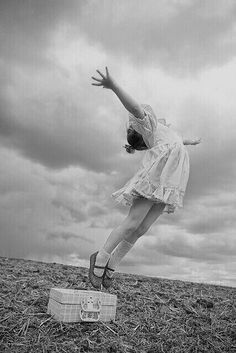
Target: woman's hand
(128, 102)
(192, 142)
(196, 142)
(105, 81)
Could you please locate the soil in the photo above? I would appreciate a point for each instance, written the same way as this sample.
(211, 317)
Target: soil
(153, 315)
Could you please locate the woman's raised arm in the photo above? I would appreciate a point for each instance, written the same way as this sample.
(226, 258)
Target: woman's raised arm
(128, 102)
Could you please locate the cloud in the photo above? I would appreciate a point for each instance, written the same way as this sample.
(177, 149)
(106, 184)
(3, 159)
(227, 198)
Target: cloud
(170, 254)
(27, 28)
(31, 216)
(52, 127)
(35, 98)
(66, 236)
(183, 36)
(76, 214)
(25, 205)
(85, 198)
(61, 152)
(211, 221)
(96, 210)
(55, 146)
(212, 162)
(207, 248)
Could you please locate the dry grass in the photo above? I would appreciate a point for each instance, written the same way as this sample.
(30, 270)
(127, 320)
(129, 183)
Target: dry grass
(153, 315)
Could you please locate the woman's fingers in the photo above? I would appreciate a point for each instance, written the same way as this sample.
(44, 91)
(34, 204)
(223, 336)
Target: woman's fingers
(96, 79)
(103, 81)
(101, 74)
(196, 142)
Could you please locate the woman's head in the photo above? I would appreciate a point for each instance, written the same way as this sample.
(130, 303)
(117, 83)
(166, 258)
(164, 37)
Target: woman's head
(135, 140)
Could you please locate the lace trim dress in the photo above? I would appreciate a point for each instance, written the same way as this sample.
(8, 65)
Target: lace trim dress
(164, 170)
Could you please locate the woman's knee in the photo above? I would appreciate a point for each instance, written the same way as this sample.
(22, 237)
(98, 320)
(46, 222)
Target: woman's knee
(141, 230)
(131, 225)
(134, 234)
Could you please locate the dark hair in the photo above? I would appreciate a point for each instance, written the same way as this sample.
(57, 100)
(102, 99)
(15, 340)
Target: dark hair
(135, 140)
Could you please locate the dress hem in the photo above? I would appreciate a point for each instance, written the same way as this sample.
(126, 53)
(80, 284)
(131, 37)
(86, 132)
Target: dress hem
(172, 197)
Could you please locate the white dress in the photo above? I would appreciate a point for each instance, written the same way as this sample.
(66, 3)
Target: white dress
(164, 170)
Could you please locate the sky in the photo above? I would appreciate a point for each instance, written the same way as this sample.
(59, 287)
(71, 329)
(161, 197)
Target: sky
(61, 138)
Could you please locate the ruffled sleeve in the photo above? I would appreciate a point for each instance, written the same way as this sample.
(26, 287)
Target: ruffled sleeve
(147, 125)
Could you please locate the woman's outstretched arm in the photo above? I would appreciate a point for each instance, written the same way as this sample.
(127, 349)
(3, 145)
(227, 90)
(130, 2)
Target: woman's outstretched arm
(128, 102)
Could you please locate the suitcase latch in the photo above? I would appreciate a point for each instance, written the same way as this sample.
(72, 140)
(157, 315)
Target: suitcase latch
(90, 310)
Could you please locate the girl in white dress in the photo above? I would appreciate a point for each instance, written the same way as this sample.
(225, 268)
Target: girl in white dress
(158, 186)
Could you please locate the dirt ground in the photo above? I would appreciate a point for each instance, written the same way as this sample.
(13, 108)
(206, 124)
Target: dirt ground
(153, 315)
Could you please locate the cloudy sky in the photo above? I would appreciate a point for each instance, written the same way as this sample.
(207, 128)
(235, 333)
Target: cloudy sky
(61, 138)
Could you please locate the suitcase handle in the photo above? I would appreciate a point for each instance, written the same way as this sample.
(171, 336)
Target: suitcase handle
(90, 311)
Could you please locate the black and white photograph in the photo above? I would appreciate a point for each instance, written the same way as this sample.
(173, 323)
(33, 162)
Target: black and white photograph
(118, 176)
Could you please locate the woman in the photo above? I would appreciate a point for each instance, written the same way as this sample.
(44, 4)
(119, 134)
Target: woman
(158, 185)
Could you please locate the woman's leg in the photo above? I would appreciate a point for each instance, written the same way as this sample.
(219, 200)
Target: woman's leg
(129, 240)
(131, 223)
(155, 211)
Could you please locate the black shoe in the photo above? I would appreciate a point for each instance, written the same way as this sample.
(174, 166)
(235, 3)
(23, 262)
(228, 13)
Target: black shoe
(107, 281)
(95, 280)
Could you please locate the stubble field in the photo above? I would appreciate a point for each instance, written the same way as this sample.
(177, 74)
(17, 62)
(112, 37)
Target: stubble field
(153, 315)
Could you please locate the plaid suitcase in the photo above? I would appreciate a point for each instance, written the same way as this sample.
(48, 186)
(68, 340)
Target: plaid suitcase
(70, 305)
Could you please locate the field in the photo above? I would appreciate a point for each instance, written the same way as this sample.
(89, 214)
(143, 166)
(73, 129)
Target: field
(153, 315)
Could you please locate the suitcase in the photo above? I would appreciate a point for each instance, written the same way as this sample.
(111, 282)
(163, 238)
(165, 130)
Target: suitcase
(71, 305)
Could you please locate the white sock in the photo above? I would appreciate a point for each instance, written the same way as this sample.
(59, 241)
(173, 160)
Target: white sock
(101, 260)
(121, 250)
